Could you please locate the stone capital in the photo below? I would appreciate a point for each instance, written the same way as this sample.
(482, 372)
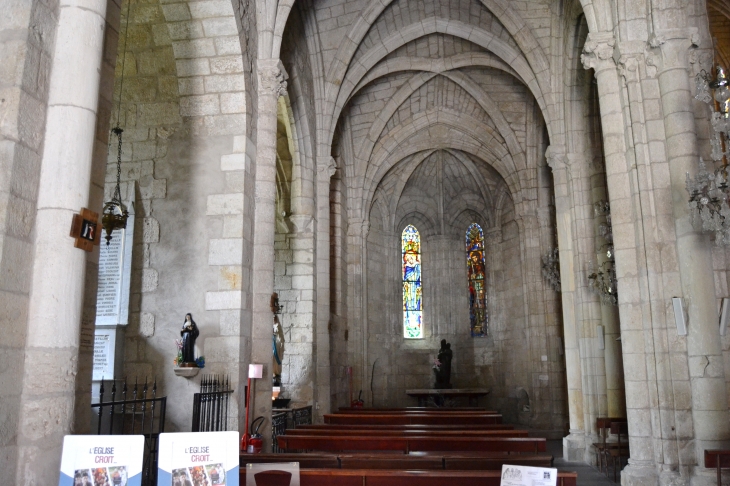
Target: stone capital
(673, 47)
(272, 77)
(328, 165)
(365, 228)
(555, 156)
(598, 51)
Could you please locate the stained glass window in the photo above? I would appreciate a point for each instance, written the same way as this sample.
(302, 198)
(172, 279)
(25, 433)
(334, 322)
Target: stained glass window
(412, 289)
(477, 289)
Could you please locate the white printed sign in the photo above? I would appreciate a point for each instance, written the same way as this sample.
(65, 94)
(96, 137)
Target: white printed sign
(114, 460)
(104, 347)
(528, 476)
(199, 458)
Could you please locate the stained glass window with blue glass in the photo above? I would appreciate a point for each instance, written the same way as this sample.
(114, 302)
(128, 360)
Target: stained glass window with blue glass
(478, 317)
(412, 288)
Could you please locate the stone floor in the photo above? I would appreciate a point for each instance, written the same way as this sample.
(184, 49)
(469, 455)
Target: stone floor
(587, 475)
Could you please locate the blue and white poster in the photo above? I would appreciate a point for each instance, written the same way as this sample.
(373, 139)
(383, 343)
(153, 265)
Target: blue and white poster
(198, 459)
(102, 460)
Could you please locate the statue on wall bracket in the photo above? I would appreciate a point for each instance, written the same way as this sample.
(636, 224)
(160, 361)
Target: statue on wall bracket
(189, 334)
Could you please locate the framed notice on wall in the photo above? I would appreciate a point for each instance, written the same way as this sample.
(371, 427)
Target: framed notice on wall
(102, 459)
(528, 476)
(209, 458)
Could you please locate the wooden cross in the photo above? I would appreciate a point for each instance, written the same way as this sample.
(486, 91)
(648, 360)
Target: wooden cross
(86, 230)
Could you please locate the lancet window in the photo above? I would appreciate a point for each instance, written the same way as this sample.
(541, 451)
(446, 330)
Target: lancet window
(412, 286)
(478, 317)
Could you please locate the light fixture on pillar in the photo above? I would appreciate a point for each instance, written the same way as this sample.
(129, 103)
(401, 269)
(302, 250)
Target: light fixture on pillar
(602, 280)
(551, 268)
(114, 215)
(709, 190)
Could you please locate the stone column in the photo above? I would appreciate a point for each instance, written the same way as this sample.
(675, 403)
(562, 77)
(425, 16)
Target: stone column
(694, 256)
(271, 84)
(57, 292)
(365, 333)
(637, 336)
(326, 168)
(574, 444)
(615, 396)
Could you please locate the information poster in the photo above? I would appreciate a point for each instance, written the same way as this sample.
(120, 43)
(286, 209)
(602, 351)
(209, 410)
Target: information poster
(104, 347)
(528, 476)
(198, 458)
(102, 460)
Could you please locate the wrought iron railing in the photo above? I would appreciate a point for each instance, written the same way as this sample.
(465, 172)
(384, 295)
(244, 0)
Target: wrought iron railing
(136, 416)
(278, 427)
(210, 406)
(302, 415)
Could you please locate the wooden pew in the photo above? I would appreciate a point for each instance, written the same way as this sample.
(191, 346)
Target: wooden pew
(405, 419)
(418, 460)
(442, 410)
(306, 460)
(359, 427)
(407, 433)
(381, 477)
(718, 459)
(408, 444)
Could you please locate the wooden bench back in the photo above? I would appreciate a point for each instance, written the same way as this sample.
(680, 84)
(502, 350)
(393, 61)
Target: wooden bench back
(379, 460)
(417, 410)
(405, 419)
(358, 427)
(375, 477)
(408, 444)
(408, 433)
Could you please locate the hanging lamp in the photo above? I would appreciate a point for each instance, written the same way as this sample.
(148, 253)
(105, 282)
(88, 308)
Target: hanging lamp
(115, 213)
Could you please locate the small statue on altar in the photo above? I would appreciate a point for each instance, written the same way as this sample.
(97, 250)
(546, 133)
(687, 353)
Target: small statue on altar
(443, 370)
(189, 334)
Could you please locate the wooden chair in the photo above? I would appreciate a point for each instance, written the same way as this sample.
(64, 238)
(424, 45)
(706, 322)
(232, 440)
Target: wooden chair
(603, 424)
(719, 459)
(621, 449)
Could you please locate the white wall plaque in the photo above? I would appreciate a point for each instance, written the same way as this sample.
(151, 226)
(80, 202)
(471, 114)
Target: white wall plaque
(102, 459)
(206, 457)
(105, 341)
(528, 476)
(115, 272)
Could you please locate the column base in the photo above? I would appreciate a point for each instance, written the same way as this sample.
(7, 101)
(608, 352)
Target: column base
(640, 474)
(574, 447)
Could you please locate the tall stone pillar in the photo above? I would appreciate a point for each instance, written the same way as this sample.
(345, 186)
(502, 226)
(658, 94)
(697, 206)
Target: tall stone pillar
(326, 168)
(271, 84)
(635, 314)
(57, 291)
(694, 256)
(615, 396)
(574, 445)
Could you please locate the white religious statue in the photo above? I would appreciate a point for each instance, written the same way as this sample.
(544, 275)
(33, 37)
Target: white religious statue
(277, 339)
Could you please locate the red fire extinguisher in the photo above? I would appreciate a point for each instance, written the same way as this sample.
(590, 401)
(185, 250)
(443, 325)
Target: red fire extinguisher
(255, 440)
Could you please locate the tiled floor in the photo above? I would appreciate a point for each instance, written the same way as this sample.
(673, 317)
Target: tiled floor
(587, 475)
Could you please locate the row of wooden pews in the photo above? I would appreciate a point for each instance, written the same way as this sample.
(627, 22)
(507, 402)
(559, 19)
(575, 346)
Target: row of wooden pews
(419, 446)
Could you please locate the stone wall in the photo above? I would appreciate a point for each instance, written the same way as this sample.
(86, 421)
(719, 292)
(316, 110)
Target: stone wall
(184, 120)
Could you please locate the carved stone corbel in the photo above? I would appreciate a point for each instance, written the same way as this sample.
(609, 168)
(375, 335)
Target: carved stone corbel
(272, 77)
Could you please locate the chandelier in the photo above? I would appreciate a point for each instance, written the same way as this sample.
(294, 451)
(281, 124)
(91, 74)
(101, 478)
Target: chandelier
(551, 268)
(602, 278)
(709, 190)
(114, 215)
